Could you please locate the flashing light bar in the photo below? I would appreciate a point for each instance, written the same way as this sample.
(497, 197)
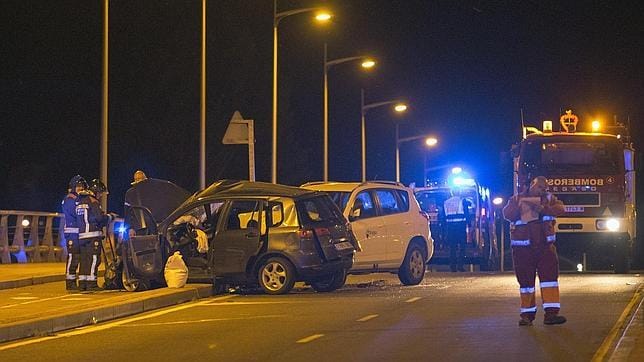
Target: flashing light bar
(461, 181)
(547, 126)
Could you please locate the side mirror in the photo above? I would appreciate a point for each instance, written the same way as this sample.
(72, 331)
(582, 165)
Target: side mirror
(355, 214)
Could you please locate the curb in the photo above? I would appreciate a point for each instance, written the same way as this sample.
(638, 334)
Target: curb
(25, 282)
(52, 324)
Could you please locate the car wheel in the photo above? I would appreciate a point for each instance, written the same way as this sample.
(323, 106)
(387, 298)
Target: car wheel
(276, 276)
(412, 270)
(331, 282)
(218, 287)
(132, 284)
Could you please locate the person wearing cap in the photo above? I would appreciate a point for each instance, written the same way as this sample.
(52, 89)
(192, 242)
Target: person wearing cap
(76, 185)
(138, 177)
(532, 236)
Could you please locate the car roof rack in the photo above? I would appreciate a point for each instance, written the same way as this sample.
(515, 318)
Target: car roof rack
(384, 182)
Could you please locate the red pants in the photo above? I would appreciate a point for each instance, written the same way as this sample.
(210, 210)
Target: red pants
(528, 261)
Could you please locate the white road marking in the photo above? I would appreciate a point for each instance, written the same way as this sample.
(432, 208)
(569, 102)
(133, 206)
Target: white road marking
(366, 318)
(74, 299)
(202, 321)
(24, 298)
(412, 299)
(96, 328)
(37, 301)
(310, 338)
(251, 303)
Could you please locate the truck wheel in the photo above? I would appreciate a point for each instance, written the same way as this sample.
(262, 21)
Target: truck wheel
(276, 276)
(412, 270)
(331, 282)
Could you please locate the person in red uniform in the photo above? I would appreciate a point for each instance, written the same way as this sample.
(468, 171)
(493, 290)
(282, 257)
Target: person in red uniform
(532, 236)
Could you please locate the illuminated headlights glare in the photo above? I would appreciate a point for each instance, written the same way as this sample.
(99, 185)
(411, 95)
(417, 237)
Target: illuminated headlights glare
(612, 224)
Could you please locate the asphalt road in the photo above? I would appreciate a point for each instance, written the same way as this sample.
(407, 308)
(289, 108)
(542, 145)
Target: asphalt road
(449, 317)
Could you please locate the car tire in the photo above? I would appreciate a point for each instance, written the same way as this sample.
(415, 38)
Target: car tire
(276, 275)
(218, 287)
(134, 285)
(331, 282)
(412, 270)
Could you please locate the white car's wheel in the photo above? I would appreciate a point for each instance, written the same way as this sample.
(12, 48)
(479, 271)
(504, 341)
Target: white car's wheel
(412, 270)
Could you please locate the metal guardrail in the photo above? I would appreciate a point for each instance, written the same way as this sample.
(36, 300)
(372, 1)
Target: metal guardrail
(34, 236)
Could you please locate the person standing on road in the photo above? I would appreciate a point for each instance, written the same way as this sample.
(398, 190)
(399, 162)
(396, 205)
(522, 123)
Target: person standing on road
(532, 236)
(456, 219)
(91, 220)
(76, 185)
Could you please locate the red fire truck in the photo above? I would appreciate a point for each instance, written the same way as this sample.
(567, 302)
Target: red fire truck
(593, 173)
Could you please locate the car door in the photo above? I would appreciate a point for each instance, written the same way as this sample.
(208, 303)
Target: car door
(238, 237)
(397, 229)
(369, 230)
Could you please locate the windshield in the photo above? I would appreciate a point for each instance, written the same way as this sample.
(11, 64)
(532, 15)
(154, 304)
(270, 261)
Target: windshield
(571, 157)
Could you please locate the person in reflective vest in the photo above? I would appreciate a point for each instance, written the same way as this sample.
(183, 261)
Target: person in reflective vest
(91, 219)
(532, 237)
(456, 210)
(76, 184)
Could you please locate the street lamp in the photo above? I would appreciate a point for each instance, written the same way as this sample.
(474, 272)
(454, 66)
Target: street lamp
(321, 16)
(429, 142)
(399, 107)
(366, 63)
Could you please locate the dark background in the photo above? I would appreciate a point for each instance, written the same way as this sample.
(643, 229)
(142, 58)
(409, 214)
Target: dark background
(466, 68)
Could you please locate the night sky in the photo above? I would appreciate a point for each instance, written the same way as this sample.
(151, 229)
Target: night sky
(466, 69)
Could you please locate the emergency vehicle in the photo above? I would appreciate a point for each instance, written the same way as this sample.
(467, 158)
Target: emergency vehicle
(593, 174)
(482, 244)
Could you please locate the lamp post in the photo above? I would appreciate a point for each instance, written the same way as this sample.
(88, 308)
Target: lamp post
(104, 104)
(366, 63)
(400, 107)
(277, 17)
(202, 101)
(429, 142)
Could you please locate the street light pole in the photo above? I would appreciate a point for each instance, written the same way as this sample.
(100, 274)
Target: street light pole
(276, 20)
(363, 111)
(327, 65)
(429, 141)
(105, 107)
(202, 123)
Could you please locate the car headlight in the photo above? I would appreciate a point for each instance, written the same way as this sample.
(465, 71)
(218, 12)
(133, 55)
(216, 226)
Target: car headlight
(609, 225)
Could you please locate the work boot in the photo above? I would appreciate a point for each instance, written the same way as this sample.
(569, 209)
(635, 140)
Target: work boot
(554, 319)
(92, 286)
(526, 320)
(70, 285)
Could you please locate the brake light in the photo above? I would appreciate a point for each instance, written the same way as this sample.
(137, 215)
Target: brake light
(322, 231)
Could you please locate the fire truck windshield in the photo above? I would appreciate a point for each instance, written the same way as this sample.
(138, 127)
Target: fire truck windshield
(571, 157)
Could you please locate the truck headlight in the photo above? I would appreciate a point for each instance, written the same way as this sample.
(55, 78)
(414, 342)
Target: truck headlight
(612, 224)
(609, 225)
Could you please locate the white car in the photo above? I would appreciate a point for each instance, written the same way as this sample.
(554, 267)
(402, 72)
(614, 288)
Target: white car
(392, 230)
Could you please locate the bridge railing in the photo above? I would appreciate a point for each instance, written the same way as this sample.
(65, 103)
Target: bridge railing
(33, 236)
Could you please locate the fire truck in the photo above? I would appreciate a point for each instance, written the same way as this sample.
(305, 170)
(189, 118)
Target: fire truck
(481, 248)
(593, 172)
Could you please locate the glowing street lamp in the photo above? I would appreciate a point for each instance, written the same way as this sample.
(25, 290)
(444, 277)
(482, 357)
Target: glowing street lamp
(367, 63)
(399, 107)
(320, 16)
(596, 125)
(429, 142)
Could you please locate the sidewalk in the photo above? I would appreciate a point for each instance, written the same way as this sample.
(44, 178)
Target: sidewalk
(33, 301)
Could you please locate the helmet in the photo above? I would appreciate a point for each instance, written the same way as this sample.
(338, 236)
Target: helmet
(77, 180)
(138, 177)
(97, 186)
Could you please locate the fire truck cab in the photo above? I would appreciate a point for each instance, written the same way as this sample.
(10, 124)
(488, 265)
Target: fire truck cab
(593, 173)
(481, 236)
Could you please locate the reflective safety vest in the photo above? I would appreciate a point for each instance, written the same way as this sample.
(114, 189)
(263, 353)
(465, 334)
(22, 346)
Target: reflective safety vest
(520, 234)
(454, 210)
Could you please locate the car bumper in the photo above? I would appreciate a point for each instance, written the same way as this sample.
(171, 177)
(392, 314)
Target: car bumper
(316, 271)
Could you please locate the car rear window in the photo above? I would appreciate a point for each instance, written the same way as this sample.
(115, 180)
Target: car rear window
(340, 198)
(404, 200)
(316, 210)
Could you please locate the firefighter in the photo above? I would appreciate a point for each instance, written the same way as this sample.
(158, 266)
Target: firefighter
(456, 210)
(91, 220)
(77, 184)
(532, 234)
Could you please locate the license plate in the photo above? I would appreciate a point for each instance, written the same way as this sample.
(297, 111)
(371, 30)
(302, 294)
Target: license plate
(574, 209)
(343, 245)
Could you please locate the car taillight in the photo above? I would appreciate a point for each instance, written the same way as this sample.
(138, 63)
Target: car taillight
(322, 232)
(306, 234)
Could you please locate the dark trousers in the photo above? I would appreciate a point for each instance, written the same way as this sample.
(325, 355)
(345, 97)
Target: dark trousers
(90, 259)
(457, 240)
(73, 256)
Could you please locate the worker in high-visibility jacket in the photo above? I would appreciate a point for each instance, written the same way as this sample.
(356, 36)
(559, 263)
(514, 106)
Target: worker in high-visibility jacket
(532, 237)
(456, 210)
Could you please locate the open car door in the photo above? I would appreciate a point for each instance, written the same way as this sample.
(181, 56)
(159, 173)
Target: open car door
(143, 254)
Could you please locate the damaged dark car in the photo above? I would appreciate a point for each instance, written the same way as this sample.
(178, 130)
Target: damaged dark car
(236, 233)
